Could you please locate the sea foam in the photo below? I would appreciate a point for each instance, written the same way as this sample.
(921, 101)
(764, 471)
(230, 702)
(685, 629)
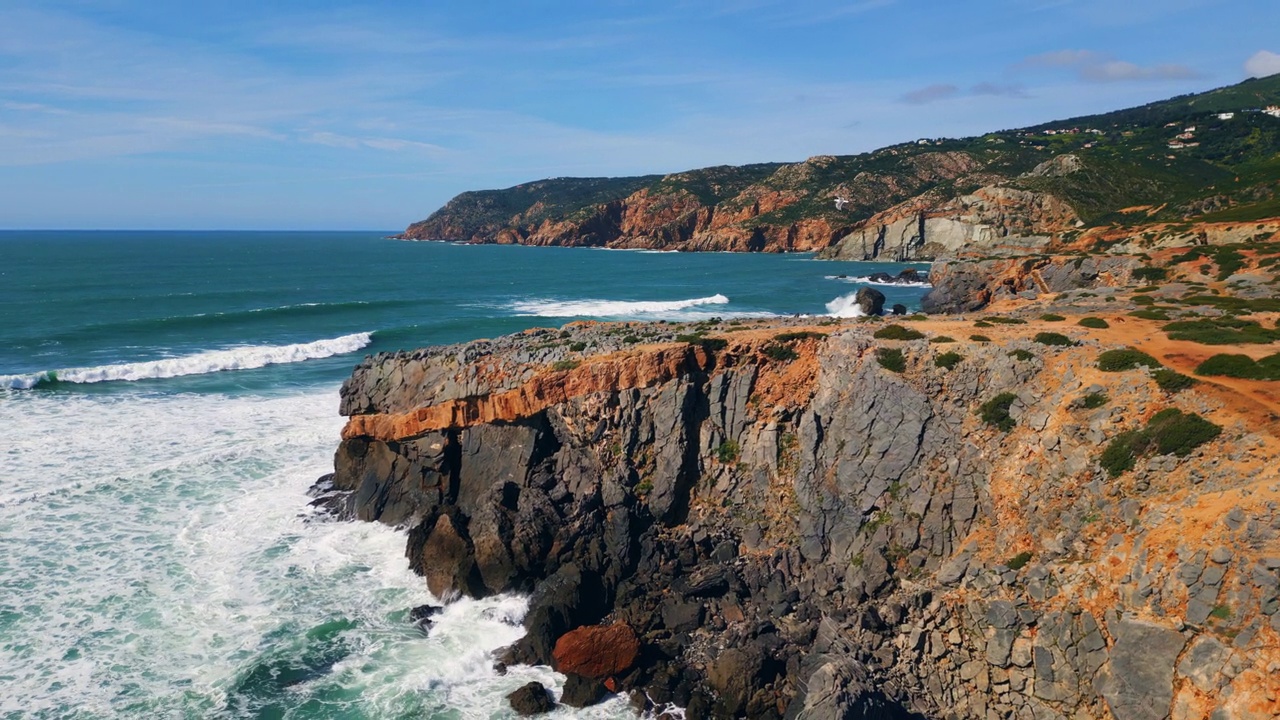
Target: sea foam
(845, 306)
(612, 308)
(236, 358)
(866, 280)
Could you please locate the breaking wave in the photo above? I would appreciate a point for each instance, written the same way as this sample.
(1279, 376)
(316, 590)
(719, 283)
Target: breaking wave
(612, 308)
(845, 306)
(867, 280)
(238, 358)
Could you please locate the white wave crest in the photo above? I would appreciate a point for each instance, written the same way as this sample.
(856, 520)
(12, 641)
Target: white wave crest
(845, 306)
(611, 308)
(237, 358)
(866, 280)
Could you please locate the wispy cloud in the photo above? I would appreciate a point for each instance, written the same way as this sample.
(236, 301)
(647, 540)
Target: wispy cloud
(939, 92)
(1263, 63)
(1093, 66)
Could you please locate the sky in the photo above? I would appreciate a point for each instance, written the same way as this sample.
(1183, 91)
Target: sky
(321, 115)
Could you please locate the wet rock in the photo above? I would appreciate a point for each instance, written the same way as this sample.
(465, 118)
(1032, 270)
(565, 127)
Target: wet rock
(870, 300)
(531, 699)
(582, 691)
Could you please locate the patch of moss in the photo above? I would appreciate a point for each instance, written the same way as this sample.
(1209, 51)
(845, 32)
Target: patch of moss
(1019, 561)
(563, 365)
(781, 353)
(1094, 400)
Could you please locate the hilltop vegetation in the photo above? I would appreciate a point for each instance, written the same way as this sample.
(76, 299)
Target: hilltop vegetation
(1209, 157)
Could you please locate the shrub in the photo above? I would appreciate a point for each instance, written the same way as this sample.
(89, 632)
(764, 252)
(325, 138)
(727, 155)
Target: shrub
(982, 324)
(1094, 400)
(1172, 380)
(1150, 274)
(997, 320)
(1168, 432)
(1023, 355)
(979, 338)
(1143, 300)
(891, 359)
(691, 338)
(727, 452)
(1052, 338)
(996, 411)
(942, 339)
(563, 365)
(1150, 314)
(1221, 331)
(801, 335)
(714, 344)
(1241, 366)
(1019, 561)
(1127, 359)
(781, 353)
(577, 347)
(1050, 317)
(1093, 322)
(897, 332)
(631, 339)
(948, 360)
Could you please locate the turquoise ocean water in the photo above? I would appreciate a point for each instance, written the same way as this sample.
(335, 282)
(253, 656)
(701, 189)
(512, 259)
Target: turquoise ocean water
(166, 399)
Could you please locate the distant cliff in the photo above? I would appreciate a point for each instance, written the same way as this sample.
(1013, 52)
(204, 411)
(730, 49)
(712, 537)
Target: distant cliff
(1166, 163)
(794, 519)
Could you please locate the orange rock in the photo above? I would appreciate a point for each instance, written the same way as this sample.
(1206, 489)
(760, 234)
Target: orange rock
(597, 651)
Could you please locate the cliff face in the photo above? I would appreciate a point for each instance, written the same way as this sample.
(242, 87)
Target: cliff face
(791, 528)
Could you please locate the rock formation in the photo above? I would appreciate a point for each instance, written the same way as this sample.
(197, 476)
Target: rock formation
(811, 533)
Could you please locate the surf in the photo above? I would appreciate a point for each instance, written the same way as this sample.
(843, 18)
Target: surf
(211, 361)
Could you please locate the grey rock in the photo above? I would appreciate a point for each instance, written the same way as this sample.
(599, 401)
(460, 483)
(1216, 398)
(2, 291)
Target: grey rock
(1138, 685)
(1202, 663)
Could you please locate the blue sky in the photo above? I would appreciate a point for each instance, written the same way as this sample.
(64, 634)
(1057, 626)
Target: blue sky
(328, 115)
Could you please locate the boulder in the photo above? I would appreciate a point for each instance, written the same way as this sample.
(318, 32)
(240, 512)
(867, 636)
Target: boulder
(597, 651)
(1139, 685)
(870, 300)
(581, 691)
(532, 699)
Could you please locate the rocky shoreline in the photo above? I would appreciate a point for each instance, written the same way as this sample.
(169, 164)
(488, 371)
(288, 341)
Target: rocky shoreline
(799, 519)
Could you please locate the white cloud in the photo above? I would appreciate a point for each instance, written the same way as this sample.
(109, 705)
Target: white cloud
(1262, 64)
(1093, 66)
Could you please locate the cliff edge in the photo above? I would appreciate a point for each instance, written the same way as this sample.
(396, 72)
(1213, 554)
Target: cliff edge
(850, 519)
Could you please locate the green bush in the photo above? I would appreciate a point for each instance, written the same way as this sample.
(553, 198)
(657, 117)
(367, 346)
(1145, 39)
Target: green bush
(1020, 354)
(891, 359)
(781, 353)
(979, 338)
(1168, 432)
(1150, 274)
(996, 411)
(1019, 561)
(1052, 338)
(1150, 314)
(1093, 322)
(802, 335)
(577, 347)
(897, 332)
(1221, 331)
(948, 360)
(1172, 380)
(942, 339)
(631, 339)
(1050, 317)
(1143, 300)
(1127, 359)
(714, 344)
(1094, 400)
(982, 324)
(563, 365)
(727, 452)
(997, 320)
(691, 338)
(1241, 366)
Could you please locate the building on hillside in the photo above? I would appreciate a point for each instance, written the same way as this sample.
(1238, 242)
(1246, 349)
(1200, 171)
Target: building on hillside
(1226, 116)
(1272, 110)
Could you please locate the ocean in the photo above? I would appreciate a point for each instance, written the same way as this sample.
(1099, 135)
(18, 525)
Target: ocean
(166, 400)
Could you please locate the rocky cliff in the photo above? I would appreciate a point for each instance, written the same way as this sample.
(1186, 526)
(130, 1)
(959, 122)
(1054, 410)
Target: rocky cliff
(783, 519)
